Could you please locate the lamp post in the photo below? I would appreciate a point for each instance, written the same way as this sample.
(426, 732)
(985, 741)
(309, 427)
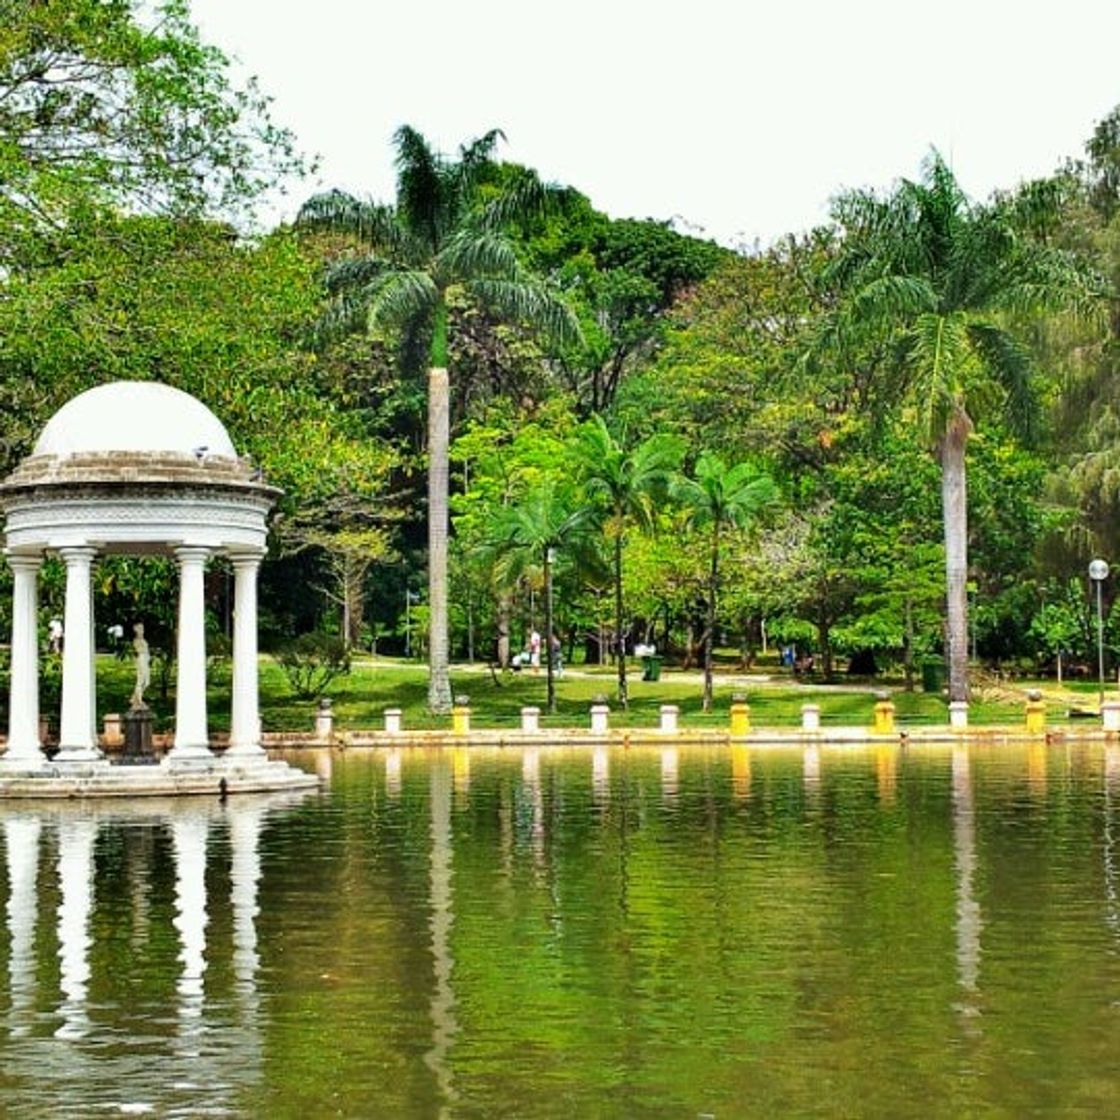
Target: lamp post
(1098, 572)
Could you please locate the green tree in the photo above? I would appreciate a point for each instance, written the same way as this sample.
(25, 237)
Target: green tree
(621, 277)
(939, 276)
(623, 483)
(545, 520)
(718, 498)
(444, 235)
(122, 102)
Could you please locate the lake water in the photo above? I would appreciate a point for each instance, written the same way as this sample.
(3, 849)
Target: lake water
(555, 932)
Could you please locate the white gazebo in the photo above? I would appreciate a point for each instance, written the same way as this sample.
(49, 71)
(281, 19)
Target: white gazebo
(133, 467)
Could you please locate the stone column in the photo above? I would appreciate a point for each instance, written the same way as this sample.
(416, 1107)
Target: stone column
(245, 724)
(24, 749)
(192, 740)
(76, 738)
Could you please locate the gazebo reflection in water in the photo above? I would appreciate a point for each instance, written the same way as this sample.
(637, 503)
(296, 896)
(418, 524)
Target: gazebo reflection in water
(62, 860)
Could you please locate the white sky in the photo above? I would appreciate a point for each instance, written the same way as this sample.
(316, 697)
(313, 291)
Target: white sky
(741, 118)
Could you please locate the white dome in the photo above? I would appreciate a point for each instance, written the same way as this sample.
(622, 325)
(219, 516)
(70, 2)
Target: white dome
(134, 416)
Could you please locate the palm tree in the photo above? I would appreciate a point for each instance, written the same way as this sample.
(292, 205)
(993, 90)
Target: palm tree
(623, 484)
(546, 519)
(443, 235)
(936, 281)
(719, 497)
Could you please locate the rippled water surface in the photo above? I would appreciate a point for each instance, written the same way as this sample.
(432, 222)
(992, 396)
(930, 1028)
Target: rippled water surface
(578, 932)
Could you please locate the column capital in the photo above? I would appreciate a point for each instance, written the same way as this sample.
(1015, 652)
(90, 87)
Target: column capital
(77, 552)
(192, 553)
(24, 561)
(247, 557)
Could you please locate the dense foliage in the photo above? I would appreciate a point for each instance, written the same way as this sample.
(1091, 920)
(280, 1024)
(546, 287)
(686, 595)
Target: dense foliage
(653, 440)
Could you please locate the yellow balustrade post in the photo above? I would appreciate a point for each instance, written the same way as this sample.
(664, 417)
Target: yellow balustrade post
(884, 715)
(1035, 710)
(740, 717)
(461, 715)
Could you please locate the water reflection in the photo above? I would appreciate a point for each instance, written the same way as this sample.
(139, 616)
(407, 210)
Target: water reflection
(1108, 848)
(886, 772)
(461, 768)
(393, 773)
(969, 922)
(741, 772)
(811, 769)
(1037, 756)
(601, 775)
(211, 1055)
(75, 880)
(189, 834)
(565, 945)
(670, 774)
(531, 783)
(444, 1025)
(21, 837)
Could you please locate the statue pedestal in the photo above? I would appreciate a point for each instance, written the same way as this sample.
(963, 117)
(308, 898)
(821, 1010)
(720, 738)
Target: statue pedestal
(138, 735)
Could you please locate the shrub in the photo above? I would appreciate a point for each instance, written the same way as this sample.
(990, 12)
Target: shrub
(312, 661)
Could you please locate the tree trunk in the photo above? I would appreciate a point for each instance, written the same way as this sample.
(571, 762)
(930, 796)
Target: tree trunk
(439, 669)
(908, 645)
(709, 636)
(954, 508)
(548, 623)
(503, 610)
(619, 641)
(824, 641)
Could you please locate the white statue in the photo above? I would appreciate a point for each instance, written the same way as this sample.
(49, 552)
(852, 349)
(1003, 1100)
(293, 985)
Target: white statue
(143, 665)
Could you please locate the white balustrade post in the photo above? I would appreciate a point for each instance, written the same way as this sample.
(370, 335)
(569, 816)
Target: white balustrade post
(1110, 715)
(245, 723)
(600, 719)
(192, 739)
(77, 741)
(810, 717)
(24, 749)
(669, 715)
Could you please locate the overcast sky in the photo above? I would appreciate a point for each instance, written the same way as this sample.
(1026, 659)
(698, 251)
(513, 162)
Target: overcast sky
(738, 118)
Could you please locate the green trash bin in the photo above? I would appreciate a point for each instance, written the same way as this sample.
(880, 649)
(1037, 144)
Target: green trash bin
(933, 674)
(651, 668)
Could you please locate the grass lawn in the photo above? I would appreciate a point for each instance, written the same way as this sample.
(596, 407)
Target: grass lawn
(376, 684)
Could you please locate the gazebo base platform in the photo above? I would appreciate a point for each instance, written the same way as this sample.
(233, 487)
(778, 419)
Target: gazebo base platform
(218, 776)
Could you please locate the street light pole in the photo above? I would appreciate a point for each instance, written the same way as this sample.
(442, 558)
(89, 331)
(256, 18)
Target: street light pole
(1098, 573)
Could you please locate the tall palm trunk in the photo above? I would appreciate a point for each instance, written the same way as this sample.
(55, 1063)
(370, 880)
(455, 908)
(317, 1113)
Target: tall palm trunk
(619, 644)
(439, 426)
(954, 504)
(550, 666)
(710, 627)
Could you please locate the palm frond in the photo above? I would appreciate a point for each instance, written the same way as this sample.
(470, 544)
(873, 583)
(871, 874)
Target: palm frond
(472, 254)
(345, 315)
(400, 298)
(475, 158)
(721, 495)
(1011, 366)
(523, 198)
(352, 274)
(939, 352)
(371, 223)
(892, 298)
(420, 185)
(528, 303)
